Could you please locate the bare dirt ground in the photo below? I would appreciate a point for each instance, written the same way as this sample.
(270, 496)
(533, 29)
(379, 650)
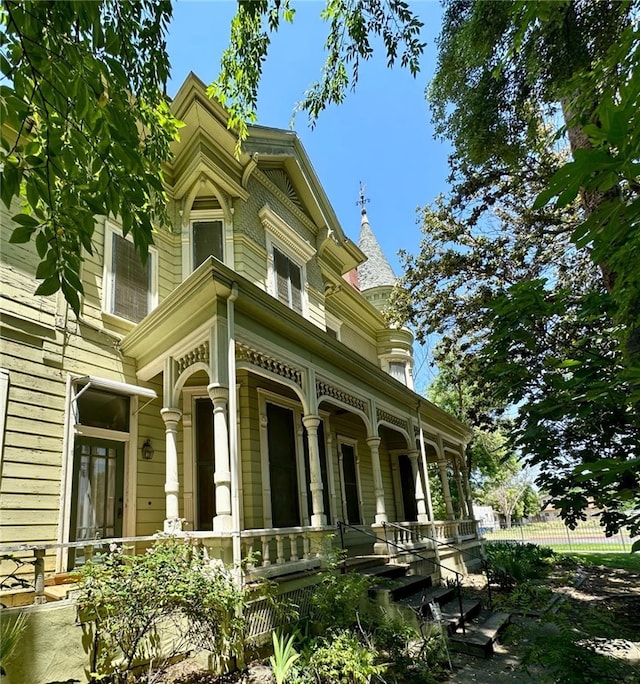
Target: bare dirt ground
(604, 604)
(599, 603)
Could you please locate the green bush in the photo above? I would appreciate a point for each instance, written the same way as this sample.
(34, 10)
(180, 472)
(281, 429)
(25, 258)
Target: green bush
(340, 658)
(510, 564)
(154, 606)
(338, 599)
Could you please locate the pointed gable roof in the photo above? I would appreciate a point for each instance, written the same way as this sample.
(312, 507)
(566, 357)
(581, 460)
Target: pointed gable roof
(376, 270)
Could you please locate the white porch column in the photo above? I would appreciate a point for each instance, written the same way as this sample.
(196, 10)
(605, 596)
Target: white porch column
(374, 444)
(420, 504)
(222, 474)
(173, 522)
(318, 516)
(444, 479)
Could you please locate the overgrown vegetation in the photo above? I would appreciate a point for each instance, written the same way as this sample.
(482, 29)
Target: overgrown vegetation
(10, 633)
(152, 607)
(575, 643)
(147, 610)
(508, 565)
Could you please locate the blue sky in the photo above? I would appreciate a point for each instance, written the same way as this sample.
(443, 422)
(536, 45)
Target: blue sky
(381, 135)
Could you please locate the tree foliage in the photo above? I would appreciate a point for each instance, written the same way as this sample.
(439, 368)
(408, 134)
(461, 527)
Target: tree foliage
(541, 300)
(86, 126)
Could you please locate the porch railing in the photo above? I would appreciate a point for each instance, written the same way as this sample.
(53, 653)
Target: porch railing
(437, 531)
(267, 552)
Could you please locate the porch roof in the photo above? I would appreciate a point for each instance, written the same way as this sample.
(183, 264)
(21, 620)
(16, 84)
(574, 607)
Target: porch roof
(185, 317)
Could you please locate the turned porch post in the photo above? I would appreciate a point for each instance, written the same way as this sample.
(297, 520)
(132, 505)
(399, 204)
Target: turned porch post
(173, 522)
(462, 499)
(318, 516)
(374, 444)
(222, 470)
(444, 479)
(415, 469)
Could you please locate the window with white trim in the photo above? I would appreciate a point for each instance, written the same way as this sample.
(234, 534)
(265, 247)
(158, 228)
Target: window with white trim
(398, 370)
(287, 280)
(130, 287)
(287, 256)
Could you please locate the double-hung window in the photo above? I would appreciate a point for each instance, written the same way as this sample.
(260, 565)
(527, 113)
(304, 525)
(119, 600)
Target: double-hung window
(398, 370)
(287, 256)
(130, 290)
(288, 280)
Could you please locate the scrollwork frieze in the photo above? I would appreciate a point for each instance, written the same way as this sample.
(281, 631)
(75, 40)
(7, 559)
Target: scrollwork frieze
(198, 355)
(325, 389)
(386, 417)
(268, 363)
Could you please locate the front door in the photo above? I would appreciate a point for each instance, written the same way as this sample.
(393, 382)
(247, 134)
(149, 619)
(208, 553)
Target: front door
(283, 467)
(98, 492)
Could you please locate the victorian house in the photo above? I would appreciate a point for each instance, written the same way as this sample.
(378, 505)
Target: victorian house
(242, 387)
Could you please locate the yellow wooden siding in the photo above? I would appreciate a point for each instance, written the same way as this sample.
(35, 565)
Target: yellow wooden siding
(358, 343)
(32, 456)
(150, 495)
(250, 451)
(250, 260)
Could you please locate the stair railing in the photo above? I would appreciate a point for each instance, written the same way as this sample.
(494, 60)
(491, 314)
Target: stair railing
(420, 535)
(342, 526)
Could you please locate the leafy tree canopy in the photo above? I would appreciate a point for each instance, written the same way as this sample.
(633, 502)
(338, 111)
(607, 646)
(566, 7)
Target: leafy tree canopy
(86, 126)
(539, 300)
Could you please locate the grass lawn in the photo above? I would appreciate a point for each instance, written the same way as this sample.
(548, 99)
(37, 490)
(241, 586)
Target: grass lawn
(623, 561)
(587, 548)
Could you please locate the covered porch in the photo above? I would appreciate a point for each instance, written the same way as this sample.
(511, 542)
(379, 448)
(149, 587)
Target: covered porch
(274, 432)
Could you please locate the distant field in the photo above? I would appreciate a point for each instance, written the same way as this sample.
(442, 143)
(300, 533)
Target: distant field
(588, 536)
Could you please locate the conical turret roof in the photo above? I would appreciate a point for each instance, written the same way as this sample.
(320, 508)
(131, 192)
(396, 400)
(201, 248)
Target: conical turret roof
(376, 270)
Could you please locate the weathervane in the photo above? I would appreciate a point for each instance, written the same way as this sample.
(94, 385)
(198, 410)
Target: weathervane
(362, 200)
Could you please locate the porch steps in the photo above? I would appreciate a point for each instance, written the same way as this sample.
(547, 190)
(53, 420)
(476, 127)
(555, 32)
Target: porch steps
(388, 571)
(409, 585)
(414, 592)
(418, 601)
(480, 636)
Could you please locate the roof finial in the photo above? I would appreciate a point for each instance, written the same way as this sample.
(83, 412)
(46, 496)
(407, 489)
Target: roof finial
(362, 200)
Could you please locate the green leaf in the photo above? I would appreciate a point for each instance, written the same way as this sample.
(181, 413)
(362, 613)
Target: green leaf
(48, 287)
(25, 220)
(22, 234)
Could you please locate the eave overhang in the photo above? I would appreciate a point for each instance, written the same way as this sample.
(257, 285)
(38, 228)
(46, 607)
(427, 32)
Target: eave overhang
(185, 317)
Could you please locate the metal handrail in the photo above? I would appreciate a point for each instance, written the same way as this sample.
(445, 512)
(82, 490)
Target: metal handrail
(341, 525)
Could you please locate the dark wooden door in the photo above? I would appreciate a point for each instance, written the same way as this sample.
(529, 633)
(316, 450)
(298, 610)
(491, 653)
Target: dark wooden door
(283, 468)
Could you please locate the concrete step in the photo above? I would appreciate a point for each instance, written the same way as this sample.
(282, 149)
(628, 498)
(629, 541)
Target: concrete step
(450, 613)
(417, 601)
(388, 571)
(480, 635)
(362, 562)
(409, 585)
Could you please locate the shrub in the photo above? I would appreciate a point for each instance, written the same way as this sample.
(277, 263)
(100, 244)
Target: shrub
(338, 599)
(154, 606)
(510, 564)
(340, 658)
